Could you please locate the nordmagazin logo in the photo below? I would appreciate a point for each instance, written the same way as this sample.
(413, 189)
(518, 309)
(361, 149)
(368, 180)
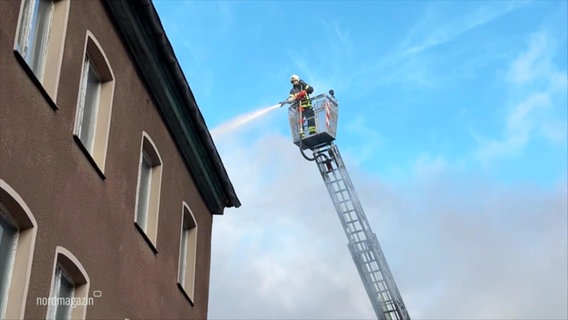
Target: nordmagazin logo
(72, 302)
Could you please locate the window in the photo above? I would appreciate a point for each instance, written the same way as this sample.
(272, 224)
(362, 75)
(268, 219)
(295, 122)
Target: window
(8, 237)
(40, 39)
(63, 290)
(187, 253)
(18, 230)
(148, 191)
(144, 191)
(88, 105)
(32, 38)
(68, 298)
(94, 104)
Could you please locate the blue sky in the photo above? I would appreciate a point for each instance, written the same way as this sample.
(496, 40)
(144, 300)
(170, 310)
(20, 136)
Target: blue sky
(453, 125)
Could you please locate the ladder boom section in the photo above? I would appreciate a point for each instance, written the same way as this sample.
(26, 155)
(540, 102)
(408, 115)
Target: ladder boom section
(363, 244)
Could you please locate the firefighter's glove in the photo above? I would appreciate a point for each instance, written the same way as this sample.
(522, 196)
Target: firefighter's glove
(301, 95)
(290, 100)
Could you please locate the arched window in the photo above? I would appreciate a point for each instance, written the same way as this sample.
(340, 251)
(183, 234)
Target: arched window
(40, 40)
(148, 191)
(18, 229)
(187, 253)
(68, 298)
(94, 104)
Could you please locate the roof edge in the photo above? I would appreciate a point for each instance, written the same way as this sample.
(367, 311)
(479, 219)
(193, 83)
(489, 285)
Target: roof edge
(155, 60)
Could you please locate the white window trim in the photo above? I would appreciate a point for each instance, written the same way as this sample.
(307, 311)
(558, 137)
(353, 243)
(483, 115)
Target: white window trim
(187, 261)
(26, 14)
(17, 292)
(52, 60)
(88, 66)
(150, 226)
(10, 263)
(98, 147)
(58, 277)
(65, 259)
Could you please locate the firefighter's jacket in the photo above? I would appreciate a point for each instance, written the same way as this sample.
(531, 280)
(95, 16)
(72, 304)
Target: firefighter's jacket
(305, 102)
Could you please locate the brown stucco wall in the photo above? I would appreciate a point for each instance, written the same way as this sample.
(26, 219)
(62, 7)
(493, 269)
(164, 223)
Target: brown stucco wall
(77, 209)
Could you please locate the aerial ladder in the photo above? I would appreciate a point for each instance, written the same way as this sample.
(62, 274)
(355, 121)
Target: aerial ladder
(362, 242)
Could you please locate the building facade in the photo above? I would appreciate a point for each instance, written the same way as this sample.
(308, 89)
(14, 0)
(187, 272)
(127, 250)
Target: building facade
(109, 178)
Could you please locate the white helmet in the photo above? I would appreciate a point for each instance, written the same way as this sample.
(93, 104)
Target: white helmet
(294, 77)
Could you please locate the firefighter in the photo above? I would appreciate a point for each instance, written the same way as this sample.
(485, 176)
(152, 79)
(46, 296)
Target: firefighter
(300, 97)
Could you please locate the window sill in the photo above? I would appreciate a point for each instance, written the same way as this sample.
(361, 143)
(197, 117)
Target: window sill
(185, 294)
(148, 241)
(35, 80)
(89, 157)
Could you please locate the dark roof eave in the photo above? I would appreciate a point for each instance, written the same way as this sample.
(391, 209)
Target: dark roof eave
(144, 36)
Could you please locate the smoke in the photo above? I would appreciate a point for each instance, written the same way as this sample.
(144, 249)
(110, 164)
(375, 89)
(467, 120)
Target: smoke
(460, 246)
(233, 124)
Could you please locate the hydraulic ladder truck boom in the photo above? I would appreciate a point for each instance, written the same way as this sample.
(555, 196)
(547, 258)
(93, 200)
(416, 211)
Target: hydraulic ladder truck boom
(362, 242)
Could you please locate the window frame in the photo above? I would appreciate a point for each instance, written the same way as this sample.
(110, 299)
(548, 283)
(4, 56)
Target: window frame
(61, 279)
(19, 215)
(46, 79)
(95, 144)
(147, 221)
(33, 37)
(187, 260)
(88, 106)
(8, 264)
(73, 271)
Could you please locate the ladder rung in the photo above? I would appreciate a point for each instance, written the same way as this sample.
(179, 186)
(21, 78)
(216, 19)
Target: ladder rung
(366, 253)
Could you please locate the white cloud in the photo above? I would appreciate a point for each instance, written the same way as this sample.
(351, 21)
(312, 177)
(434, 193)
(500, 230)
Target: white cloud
(427, 166)
(424, 37)
(287, 253)
(534, 62)
(540, 90)
(519, 126)
(411, 63)
(491, 252)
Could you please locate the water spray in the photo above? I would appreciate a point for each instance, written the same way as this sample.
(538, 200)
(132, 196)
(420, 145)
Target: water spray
(239, 121)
